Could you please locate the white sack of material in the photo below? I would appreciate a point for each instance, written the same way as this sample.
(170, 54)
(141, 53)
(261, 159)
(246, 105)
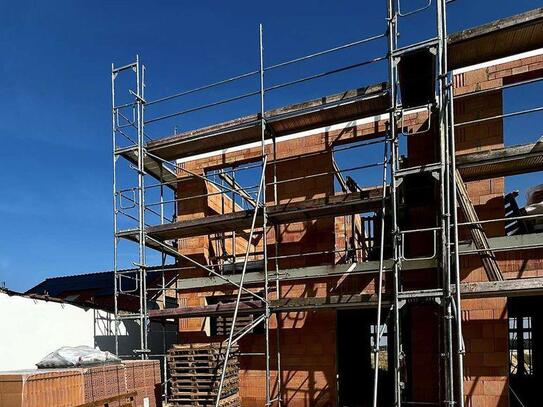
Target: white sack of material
(76, 356)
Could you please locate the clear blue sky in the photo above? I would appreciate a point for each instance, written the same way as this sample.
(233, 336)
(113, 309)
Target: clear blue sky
(55, 183)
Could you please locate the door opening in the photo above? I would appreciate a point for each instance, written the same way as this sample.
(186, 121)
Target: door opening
(525, 356)
(355, 363)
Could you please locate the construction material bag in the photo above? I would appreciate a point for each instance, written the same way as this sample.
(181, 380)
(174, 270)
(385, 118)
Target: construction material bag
(69, 356)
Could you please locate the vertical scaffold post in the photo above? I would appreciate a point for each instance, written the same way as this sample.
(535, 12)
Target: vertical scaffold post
(276, 233)
(278, 322)
(456, 396)
(460, 350)
(264, 221)
(445, 202)
(115, 238)
(142, 271)
(379, 289)
(393, 139)
(138, 146)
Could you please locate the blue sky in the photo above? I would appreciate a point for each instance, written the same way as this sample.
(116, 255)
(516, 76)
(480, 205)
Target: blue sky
(56, 211)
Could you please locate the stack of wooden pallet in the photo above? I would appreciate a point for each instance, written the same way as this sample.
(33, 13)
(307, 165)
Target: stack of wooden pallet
(195, 373)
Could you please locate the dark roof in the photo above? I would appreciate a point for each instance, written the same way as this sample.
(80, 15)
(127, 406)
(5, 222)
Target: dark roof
(46, 298)
(100, 284)
(96, 289)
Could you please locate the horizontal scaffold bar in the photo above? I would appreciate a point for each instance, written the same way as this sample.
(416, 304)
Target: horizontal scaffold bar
(483, 289)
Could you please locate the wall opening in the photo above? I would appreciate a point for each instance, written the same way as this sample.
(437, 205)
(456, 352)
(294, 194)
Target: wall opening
(525, 356)
(355, 363)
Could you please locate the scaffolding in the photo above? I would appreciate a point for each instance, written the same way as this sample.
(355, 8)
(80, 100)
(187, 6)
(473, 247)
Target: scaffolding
(438, 101)
(260, 215)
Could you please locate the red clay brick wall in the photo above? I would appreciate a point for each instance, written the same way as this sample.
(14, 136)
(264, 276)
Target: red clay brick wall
(308, 374)
(308, 338)
(190, 207)
(307, 357)
(313, 235)
(194, 205)
(486, 361)
(485, 321)
(349, 234)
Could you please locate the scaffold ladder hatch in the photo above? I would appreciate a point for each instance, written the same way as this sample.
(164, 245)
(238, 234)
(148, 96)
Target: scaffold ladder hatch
(425, 65)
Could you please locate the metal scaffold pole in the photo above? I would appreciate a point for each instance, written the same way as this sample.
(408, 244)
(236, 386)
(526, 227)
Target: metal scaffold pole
(115, 226)
(460, 349)
(259, 208)
(139, 275)
(277, 233)
(447, 228)
(264, 222)
(393, 139)
(445, 187)
(453, 304)
(379, 289)
(140, 74)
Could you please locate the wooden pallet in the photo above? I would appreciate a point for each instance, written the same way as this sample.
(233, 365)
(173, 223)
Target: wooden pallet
(232, 401)
(195, 371)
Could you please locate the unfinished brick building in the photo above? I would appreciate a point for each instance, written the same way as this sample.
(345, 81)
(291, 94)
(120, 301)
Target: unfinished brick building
(291, 228)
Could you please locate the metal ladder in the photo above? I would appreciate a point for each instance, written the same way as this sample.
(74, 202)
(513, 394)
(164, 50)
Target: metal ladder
(438, 104)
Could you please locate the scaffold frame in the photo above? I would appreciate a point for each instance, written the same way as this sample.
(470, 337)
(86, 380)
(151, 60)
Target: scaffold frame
(146, 160)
